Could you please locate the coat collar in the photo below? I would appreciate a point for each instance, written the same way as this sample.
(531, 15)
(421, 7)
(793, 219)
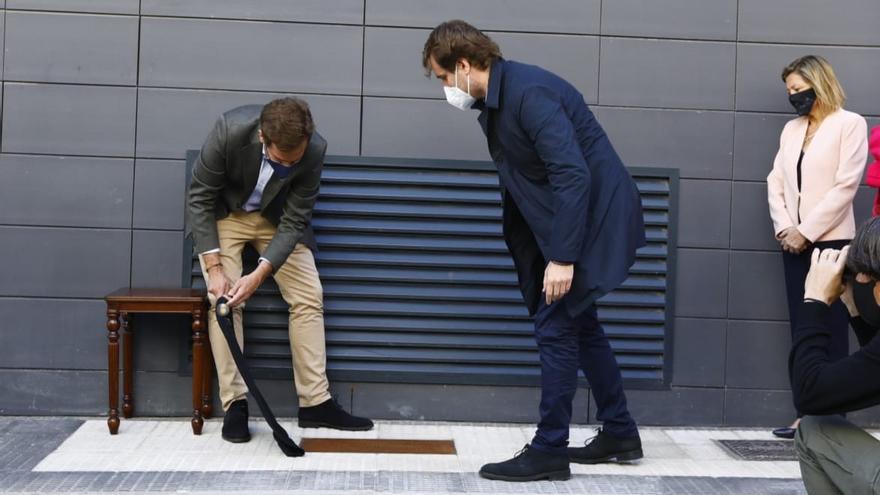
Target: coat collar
(493, 93)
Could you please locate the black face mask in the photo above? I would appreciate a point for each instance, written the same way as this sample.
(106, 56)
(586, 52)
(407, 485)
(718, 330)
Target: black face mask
(863, 297)
(803, 101)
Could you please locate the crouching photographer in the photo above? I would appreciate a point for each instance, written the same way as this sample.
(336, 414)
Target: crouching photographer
(835, 455)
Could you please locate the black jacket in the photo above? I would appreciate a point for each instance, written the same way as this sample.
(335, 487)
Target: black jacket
(819, 386)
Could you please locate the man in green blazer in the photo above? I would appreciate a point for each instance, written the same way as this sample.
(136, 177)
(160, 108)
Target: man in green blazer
(255, 182)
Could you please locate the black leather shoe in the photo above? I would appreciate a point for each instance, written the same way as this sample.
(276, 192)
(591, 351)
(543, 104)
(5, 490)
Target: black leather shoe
(235, 423)
(785, 432)
(529, 465)
(330, 415)
(606, 448)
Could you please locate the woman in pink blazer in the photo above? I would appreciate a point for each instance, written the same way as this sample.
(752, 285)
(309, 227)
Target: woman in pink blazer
(815, 176)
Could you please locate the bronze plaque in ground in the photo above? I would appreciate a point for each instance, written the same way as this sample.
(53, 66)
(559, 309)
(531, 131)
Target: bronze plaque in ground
(378, 446)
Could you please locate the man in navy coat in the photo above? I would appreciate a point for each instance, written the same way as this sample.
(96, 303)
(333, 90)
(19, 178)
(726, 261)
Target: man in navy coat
(572, 220)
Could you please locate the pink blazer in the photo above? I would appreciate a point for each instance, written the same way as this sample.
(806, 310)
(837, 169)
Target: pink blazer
(830, 173)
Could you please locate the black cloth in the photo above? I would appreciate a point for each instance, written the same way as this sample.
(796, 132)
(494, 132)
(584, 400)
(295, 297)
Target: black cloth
(288, 446)
(796, 267)
(821, 386)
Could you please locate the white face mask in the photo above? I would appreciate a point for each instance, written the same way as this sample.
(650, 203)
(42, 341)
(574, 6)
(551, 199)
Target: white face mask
(458, 98)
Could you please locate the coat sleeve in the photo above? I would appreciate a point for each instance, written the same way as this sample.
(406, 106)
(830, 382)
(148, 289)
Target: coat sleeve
(544, 120)
(209, 177)
(820, 385)
(297, 214)
(776, 192)
(837, 201)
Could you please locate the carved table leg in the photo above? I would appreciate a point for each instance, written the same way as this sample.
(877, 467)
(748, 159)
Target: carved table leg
(198, 349)
(127, 368)
(113, 369)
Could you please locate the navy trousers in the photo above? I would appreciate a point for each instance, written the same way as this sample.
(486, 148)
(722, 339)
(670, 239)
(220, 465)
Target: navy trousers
(566, 344)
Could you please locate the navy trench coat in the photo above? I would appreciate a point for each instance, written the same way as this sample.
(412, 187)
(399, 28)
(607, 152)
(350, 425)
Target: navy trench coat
(567, 196)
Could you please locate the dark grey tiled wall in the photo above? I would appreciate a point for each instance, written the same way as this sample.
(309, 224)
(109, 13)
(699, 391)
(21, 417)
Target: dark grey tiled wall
(101, 99)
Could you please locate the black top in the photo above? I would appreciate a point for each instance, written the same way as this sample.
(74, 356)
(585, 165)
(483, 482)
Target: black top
(800, 160)
(819, 386)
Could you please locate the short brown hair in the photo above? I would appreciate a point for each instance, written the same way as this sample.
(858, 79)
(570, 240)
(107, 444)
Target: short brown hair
(453, 40)
(286, 122)
(817, 72)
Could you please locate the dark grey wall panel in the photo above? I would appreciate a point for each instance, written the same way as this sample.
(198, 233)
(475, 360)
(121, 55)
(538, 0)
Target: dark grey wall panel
(171, 121)
(71, 48)
(701, 283)
(77, 329)
(647, 137)
(758, 408)
(68, 120)
(845, 22)
(757, 286)
(552, 16)
(96, 6)
(421, 128)
(53, 392)
(193, 53)
(760, 88)
(751, 227)
(704, 218)
(682, 74)
(755, 143)
(454, 402)
(757, 354)
(392, 60)
(699, 352)
(159, 194)
(681, 406)
(158, 338)
(663, 19)
(156, 258)
(333, 11)
(29, 186)
(58, 262)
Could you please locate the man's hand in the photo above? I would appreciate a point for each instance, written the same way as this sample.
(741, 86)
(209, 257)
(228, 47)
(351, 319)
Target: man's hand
(824, 281)
(242, 290)
(557, 281)
(218, 282)
(847, 299)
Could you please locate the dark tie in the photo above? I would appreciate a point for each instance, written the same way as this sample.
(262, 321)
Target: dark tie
(224, 317)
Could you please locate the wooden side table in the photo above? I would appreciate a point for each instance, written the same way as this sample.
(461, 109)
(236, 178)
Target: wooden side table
(125, 302)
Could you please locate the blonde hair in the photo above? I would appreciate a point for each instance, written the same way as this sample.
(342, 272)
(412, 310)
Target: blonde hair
(817, 72)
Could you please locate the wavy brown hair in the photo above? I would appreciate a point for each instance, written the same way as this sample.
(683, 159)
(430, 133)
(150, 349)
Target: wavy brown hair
(454, 40)
(286, 123)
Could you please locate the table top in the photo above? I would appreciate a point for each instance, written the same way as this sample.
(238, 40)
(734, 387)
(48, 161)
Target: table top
(157, 295)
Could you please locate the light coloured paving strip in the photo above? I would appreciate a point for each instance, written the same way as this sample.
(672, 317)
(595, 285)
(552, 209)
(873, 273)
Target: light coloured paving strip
(169, 446)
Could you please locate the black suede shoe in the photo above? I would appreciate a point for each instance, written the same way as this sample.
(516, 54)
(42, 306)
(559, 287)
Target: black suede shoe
(606, 448)
(235, 423)
(330, 415)
(529, 465)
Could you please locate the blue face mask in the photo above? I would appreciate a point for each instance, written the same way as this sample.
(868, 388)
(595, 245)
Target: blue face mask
(280, 170)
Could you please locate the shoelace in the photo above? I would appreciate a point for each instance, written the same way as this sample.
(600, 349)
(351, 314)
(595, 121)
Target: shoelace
(521, 452)
(589, 440)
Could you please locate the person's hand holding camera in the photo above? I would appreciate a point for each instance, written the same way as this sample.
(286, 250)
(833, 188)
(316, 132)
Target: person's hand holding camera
(825, 279)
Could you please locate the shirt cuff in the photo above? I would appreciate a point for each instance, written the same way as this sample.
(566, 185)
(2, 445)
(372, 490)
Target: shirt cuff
(262, 259)
(211, 251)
